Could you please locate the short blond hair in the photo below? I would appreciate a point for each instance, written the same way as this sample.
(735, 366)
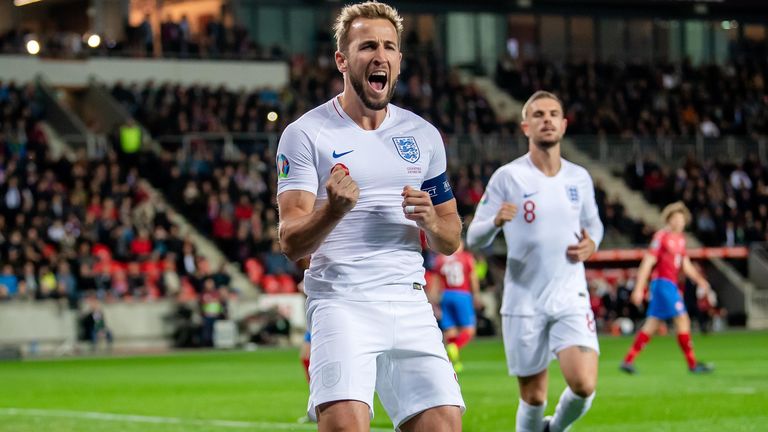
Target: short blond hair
(541, 94)
(676, 207)
(369, 10)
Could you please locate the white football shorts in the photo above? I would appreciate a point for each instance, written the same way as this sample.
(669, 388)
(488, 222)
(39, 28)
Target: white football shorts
(394, 348)
(532, 342)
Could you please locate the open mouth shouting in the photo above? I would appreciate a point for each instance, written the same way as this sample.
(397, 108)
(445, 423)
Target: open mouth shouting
(378, 81)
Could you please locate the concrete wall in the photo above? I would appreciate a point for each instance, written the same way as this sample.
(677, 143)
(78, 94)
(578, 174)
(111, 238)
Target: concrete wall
(231, 74)
(49, 326)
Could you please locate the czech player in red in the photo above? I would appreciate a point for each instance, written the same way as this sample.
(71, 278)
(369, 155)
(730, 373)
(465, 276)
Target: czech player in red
(460, 287)
(663, 262)
(358, 179)
(546, 207)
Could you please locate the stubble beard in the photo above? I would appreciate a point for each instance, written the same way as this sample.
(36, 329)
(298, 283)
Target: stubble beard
(358, 84)
(547, 144)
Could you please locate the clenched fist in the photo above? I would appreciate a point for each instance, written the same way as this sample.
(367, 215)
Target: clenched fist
(505, 214)
(417, 206)
(342, 191)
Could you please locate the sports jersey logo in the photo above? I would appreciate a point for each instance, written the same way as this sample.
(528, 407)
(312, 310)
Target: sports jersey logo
(283, 166)
(338, 155)
(573, 193)
(407, 148)
(528, 195)
(484, 199)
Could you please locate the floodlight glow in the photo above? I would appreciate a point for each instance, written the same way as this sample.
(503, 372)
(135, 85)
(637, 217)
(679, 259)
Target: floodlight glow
(272, 116)
(94, 40)
(33, 47)
(24, 2)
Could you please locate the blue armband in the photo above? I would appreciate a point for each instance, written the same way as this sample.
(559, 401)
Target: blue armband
(438, 188)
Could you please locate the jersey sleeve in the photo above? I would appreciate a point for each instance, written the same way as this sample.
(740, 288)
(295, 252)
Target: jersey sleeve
(296, 169)
(590, 216)
(436, 183)
(482, 230)
(656, 244)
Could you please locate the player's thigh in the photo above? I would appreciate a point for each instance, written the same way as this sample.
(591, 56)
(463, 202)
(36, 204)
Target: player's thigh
(346, 340)
(579, 367)
(416, 375)
(574, 339)
(446, 418)
(343, 415)
(526, 344)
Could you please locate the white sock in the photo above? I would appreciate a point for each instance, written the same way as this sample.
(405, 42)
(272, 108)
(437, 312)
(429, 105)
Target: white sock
(529, 417)
(569, 409)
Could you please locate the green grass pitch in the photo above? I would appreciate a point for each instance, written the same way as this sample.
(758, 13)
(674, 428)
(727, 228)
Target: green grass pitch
(265, 391)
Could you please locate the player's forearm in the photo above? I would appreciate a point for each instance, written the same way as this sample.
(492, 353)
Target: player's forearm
(596, 231)
(446, 236)
(302, 236)
(481, 233)
(693, 273)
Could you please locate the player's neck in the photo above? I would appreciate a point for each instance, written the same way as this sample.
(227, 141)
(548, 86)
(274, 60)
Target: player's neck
(547, 160)
(364, 117)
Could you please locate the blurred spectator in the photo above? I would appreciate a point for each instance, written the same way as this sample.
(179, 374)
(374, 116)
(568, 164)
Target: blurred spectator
(94, 324)
(212, 309)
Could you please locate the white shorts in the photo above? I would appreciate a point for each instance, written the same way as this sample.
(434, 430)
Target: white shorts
(531, 342)
(394, 348)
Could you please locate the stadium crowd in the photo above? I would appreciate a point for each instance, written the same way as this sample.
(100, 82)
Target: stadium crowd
(231, 199)
(649, 99)
(73, 228)
(728, 199)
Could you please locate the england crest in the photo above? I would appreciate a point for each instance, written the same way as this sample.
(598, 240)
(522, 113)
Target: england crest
(407, 148)
(573, 193)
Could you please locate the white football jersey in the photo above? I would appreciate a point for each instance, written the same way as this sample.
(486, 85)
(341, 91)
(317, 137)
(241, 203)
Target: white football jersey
(374, 252)
(551, 213)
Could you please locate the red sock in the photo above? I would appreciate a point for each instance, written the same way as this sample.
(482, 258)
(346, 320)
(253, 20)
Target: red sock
(451, 339)
(641, 340)
(684, 340)
(305, 362)
(463, 338)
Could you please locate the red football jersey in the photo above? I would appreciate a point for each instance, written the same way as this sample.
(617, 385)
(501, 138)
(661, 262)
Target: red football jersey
(669, 250)
(456, 271)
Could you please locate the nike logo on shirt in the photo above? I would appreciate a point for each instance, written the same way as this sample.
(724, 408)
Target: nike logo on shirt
(338, 155)
(528, 195)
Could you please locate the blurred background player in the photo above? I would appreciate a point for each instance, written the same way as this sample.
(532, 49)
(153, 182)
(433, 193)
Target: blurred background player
(459, 286)
(666, 256)
(546, 207)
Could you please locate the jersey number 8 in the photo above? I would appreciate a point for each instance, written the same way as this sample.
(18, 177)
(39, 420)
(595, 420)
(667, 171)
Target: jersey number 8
(528, 208)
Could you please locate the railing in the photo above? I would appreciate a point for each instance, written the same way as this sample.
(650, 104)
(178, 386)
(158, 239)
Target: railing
(618, 151)
(467, 148)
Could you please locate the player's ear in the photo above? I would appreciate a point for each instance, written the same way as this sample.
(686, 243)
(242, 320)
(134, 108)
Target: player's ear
(341, 61)
(525, 127)
(565, 125)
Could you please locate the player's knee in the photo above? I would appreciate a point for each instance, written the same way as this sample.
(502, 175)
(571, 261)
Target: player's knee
(536, 398)
(584, 388)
